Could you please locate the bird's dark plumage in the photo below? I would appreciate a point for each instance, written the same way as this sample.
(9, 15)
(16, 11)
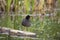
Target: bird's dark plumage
(26, 21)
(27, 17)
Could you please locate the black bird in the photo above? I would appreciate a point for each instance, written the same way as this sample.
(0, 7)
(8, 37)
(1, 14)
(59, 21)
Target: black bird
(26, 21)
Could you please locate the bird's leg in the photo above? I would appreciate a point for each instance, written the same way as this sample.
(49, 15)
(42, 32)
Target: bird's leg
(24, 28)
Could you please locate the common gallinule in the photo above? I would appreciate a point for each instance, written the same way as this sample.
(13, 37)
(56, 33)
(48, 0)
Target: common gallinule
(26, 21)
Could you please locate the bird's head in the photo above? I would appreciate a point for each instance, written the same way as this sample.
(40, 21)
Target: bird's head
(27, 17)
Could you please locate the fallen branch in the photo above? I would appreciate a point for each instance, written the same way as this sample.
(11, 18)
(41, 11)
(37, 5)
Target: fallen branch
(18, 33)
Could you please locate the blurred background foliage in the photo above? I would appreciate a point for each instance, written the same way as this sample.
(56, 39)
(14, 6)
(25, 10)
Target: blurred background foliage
(46, 25)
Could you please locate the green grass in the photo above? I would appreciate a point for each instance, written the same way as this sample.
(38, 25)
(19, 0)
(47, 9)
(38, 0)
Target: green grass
(45, 30)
